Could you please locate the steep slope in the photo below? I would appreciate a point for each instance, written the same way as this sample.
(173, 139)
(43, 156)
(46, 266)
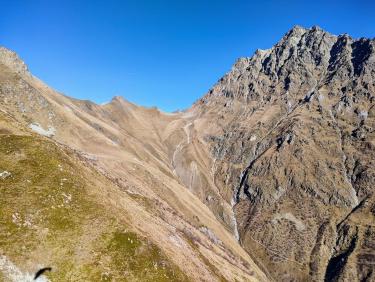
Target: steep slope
(291, 133)
(52, 214)
(131, 152)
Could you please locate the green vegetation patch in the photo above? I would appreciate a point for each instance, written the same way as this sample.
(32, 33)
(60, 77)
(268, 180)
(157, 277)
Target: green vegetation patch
(42, 199)
(48, 217)
(137, 259)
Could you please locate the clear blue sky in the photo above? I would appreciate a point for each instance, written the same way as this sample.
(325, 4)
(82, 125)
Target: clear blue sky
(158, 53)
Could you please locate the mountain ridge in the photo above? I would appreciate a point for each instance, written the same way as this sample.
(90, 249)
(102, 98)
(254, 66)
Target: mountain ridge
(122, 145)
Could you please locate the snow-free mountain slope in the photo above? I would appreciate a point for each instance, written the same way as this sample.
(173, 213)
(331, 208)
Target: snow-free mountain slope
(129, 149)
(269, 176)
(293, 146)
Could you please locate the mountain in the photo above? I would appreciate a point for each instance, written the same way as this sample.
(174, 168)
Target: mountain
(268, 177)
(90, 191)
(293, 147)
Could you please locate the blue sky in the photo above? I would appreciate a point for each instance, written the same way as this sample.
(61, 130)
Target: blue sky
(158, 53)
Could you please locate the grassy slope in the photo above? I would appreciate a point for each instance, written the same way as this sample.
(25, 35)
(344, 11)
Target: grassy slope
(48, 218)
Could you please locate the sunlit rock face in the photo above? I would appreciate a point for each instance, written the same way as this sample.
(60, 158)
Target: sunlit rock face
(291, 130)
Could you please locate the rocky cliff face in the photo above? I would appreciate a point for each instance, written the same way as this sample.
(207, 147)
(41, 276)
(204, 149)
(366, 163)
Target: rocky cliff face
(293, 148)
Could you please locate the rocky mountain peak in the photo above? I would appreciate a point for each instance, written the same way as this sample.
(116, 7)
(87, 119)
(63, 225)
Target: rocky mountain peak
(118, 99)
(12, 61)
(300, 60)
(295, 143)
(294, 35)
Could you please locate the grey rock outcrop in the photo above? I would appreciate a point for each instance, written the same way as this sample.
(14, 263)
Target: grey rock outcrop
(295, 136)
(11, 59)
